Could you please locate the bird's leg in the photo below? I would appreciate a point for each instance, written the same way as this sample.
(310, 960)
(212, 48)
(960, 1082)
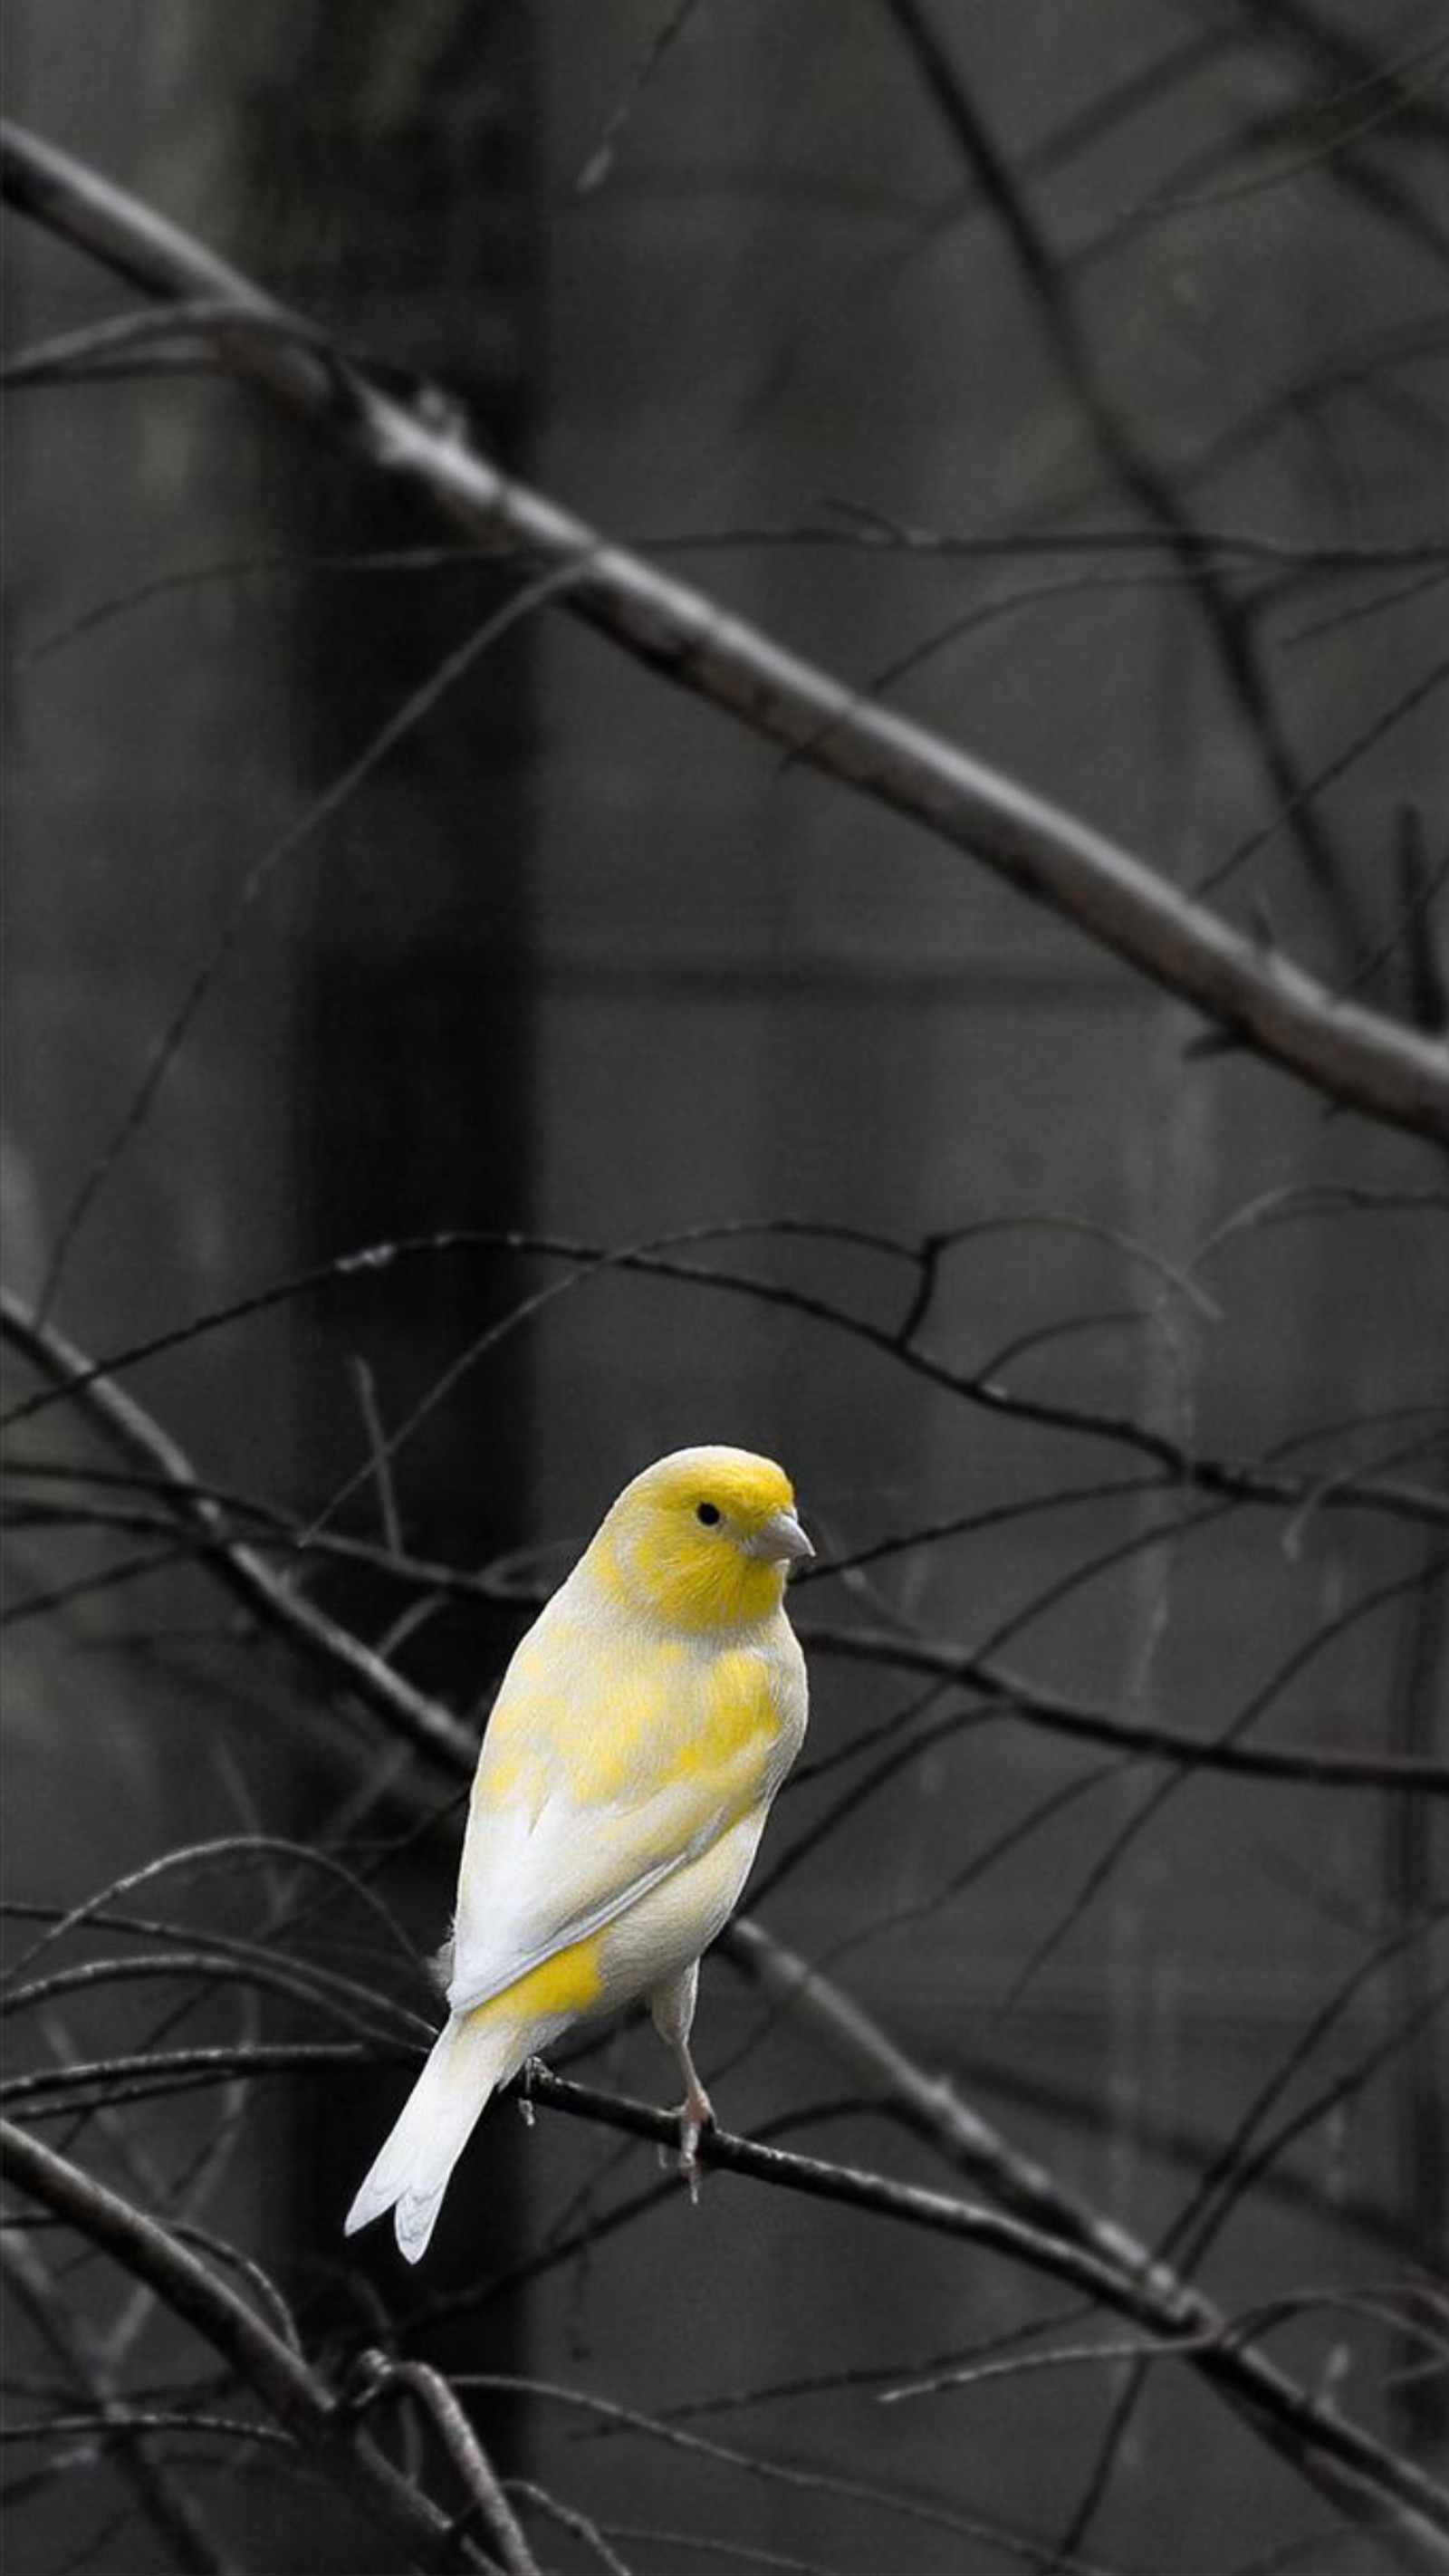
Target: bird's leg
(531, 2067)
(672, 2009)
(696, 2114)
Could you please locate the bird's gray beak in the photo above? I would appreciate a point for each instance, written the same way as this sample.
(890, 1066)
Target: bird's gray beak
(781, 1541)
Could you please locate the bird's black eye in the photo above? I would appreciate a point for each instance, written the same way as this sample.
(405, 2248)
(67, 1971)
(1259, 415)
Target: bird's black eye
(709, 1513)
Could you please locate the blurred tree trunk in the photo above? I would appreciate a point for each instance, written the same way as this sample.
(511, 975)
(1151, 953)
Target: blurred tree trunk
(424, 969)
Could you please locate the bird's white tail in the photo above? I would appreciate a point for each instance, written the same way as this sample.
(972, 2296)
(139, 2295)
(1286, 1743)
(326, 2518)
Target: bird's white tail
(471, 2057)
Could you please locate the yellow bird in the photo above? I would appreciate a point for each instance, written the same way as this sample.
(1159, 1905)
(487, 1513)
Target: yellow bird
(642, 1729)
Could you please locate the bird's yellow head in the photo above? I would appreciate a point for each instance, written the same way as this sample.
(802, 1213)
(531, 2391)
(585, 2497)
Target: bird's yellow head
(703, 1539)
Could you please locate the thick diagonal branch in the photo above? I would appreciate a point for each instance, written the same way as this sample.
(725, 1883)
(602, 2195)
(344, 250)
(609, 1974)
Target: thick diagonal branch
(1351, 1053)
(324, 2426)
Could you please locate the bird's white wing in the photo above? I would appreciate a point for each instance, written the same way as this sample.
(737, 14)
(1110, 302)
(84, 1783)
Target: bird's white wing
(605, 1768)
(524, 1896)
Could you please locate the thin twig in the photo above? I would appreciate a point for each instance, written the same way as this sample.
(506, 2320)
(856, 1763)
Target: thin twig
(1254, 1480)
(656, 45)
(320, 1639)
(170, 2509)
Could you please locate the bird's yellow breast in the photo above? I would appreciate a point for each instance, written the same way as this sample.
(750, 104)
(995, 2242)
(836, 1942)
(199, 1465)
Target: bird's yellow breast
(612, 1730)
(734, 1717)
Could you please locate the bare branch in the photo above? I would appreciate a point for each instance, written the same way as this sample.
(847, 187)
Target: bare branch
(1346, 1050)
(433, 1731)
(323, 2427)
(1145, 2290)
(100, 2083)
(1344, 758)
(651, 53)
(899, 2501)
(1413, 1774)
(167, 2506)
(865, 532)
(1119, 442)
(319, 811)
(373, 2376)
(96, 348)
(320, 1639)
(1250, 1480)
(1281, 173)
(569, 2518)
(1091, 2256)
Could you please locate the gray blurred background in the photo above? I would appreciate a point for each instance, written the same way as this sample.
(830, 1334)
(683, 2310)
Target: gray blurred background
(584, 960)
